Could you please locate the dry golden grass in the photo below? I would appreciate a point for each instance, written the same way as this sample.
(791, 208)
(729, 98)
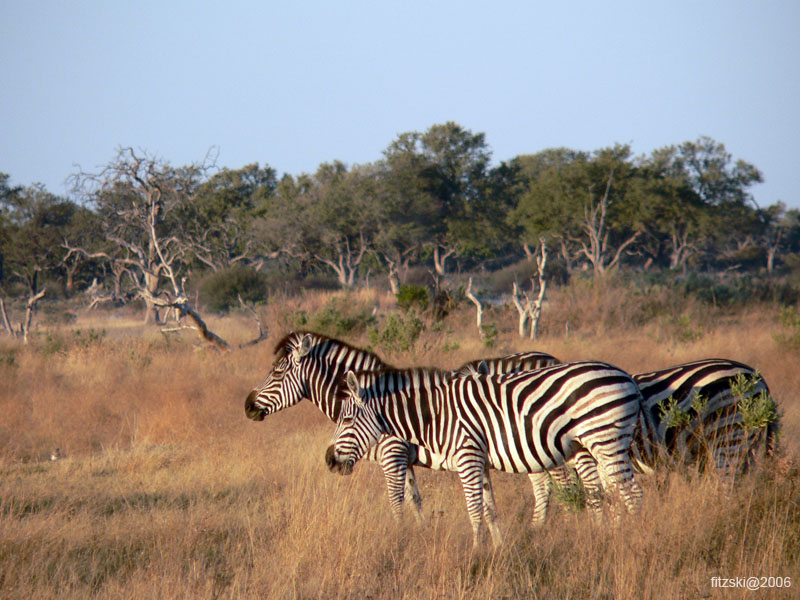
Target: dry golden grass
(168, 491)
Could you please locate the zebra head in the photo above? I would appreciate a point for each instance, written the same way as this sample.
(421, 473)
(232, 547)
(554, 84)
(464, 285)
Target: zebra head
(358, 429)
(283, 386)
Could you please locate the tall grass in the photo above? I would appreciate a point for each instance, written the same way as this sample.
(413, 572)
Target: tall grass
(168, 491)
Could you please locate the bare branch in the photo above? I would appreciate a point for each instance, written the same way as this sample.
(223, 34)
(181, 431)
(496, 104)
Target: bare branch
(262, 333)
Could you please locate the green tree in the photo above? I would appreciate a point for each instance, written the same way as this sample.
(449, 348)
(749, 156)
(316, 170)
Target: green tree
(327, 219)
(700, 202)
(446, 169)
(590, 204)
(36, 223)
(217, 222)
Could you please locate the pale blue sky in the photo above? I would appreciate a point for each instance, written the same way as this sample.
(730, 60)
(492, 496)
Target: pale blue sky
(294, 84)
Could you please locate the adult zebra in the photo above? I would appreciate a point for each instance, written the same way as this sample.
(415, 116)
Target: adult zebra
(692, 413)
(526, 422)
(308, 365)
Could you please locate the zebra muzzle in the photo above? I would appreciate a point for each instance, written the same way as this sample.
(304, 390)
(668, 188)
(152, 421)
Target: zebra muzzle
(335, 465)
(251, 410)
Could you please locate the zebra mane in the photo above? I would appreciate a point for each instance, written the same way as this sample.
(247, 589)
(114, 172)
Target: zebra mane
(282, 347)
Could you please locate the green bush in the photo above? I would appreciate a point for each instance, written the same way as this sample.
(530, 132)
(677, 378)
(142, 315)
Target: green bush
(398, 333)
(338, 318)
(757, 411)
(221, 290)
(413, 297)
(740, 291)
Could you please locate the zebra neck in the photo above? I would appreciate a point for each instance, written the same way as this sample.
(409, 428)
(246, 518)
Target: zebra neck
(408, 404)
(330, 362)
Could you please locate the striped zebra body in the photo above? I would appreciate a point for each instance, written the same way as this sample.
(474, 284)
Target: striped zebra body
(309, 365)
(526, 422)
(715, 434)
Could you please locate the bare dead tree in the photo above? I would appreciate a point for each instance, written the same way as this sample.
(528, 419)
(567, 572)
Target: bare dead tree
(347, 259)
(517, 298)
(398, 265)
(139, 197)
(440, 256)
(597, 249)
(536, 307)
(263, 333)
(478, 306)
(6, 321)
(529, 308)
(27, 321)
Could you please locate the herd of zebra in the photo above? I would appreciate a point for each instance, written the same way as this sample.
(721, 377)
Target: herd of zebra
(522, 413)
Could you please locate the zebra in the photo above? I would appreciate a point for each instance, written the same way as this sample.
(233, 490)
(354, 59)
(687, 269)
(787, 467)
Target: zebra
(511, 363)
(308, 365)
(708, 394)
(525, 422)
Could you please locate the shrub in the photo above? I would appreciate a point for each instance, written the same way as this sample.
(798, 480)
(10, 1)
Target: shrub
(221, 290)
(413, 297)
(672, 415)
(398, 333)
(338, 318)
(757, 411)
(571, 493)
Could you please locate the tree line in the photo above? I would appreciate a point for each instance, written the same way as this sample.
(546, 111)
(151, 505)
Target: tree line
(142, 228)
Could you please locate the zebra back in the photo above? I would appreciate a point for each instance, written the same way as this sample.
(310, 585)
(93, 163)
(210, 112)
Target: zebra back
(527, 419)
(511, 363)
(693, 408)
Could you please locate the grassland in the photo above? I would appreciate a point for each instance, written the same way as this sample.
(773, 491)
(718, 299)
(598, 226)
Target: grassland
(166, 490)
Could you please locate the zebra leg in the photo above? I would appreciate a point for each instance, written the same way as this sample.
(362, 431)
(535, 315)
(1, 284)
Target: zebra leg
(412, 494)
(541, 497)
(394, 462)
(616, 473)
(470, 471)
(592, 479)
(490, 510)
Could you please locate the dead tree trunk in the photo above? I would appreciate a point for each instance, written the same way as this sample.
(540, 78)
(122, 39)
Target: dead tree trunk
(478, 306)
(27, 321)
(6, 322)
(522, 309)
(536, 308)
(529, 309)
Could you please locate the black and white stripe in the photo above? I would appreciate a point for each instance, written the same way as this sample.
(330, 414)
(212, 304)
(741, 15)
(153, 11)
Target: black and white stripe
(715, 435)
(525, 422)
(308, 365)
(511, 363)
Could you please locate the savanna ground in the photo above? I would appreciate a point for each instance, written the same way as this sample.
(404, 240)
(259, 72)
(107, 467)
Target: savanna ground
(166, 490)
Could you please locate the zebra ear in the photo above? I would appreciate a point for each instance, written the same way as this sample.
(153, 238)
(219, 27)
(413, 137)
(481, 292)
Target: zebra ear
(305, 346)
(483, 368)
(354, 387)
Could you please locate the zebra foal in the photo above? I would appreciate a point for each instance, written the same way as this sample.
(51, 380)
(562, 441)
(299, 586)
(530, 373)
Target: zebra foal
(526, 422)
